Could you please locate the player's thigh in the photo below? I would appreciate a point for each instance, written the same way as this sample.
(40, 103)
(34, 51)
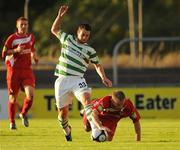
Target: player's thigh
(28, 78)
(29, 91)
(63, 94)
(13, 84)
(82, 91)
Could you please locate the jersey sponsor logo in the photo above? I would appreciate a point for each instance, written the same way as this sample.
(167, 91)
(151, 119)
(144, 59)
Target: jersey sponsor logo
(26, 51)
(21, 41)
(76, 52)
(116, 112)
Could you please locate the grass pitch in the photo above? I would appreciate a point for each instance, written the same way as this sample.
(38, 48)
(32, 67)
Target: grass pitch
(45, 134)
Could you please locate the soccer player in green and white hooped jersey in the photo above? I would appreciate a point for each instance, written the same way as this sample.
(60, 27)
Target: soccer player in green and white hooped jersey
(75, 57)
(73, 62)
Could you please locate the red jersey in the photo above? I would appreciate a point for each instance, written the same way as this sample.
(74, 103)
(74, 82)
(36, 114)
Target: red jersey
(107, 112)
(20, 60)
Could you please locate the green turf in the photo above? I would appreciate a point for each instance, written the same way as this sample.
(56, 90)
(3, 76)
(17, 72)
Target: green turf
(45, 134)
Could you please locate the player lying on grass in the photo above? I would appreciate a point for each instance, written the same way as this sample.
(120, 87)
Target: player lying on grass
(107, 112)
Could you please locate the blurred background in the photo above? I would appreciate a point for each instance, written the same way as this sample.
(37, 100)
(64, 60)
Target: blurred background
(132, 37)
(138, 42)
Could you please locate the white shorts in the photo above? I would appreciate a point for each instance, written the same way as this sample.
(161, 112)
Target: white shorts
(68, 86)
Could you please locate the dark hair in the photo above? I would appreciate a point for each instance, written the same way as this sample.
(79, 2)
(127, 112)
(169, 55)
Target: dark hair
(21, 18)
(85, 26)
(118, 94)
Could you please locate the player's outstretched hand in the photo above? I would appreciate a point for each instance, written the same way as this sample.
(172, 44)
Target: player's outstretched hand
(62, 10)
(107, 82)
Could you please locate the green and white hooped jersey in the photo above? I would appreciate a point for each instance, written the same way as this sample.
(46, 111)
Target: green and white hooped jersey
(75, 57)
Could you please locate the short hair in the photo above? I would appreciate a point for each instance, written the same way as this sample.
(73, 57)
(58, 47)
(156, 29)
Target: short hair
(119, 95)
(21, 18)
(85, 26)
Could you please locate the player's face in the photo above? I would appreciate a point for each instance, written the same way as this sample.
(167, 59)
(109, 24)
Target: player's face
(117, 103)
(22, 26)
(83, 35)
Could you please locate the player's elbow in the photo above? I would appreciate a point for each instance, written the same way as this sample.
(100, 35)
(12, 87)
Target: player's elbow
(3, 55)
(54, 30)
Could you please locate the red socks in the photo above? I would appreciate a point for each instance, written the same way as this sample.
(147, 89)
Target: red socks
(26, 106)
(12, 111)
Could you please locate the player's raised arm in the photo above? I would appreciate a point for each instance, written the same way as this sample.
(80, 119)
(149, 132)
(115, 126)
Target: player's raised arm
(101, 73)
(57, 22)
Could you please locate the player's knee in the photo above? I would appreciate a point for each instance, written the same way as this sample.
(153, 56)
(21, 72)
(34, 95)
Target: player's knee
(85, 99)
(12, 98)
(30, 97)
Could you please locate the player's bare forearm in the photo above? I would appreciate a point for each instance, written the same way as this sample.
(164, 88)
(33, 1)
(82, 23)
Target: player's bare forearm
(35, 58)
(95, 119)
(57, 22)
(100, 70)
(56, 25)
(13, 51)
(101, 73)
(137, 128)
(10, 51)
(97, 122)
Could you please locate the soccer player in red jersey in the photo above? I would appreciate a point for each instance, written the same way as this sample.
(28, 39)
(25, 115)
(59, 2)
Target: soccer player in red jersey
(107, 111)
(17, 52)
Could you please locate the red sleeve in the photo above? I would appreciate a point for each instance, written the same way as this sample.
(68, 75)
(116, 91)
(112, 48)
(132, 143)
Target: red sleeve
(7, 45)
(134, 114)
(4, 51)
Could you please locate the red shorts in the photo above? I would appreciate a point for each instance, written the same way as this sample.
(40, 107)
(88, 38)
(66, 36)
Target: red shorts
(17, 78)
(111, 124)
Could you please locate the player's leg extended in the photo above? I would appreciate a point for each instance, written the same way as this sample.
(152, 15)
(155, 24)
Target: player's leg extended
(28, 83)
(13, 88)
(63, 120)
(63, 99)
(12, 110)
(86, 123)
(29, 92)
(86, 102)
